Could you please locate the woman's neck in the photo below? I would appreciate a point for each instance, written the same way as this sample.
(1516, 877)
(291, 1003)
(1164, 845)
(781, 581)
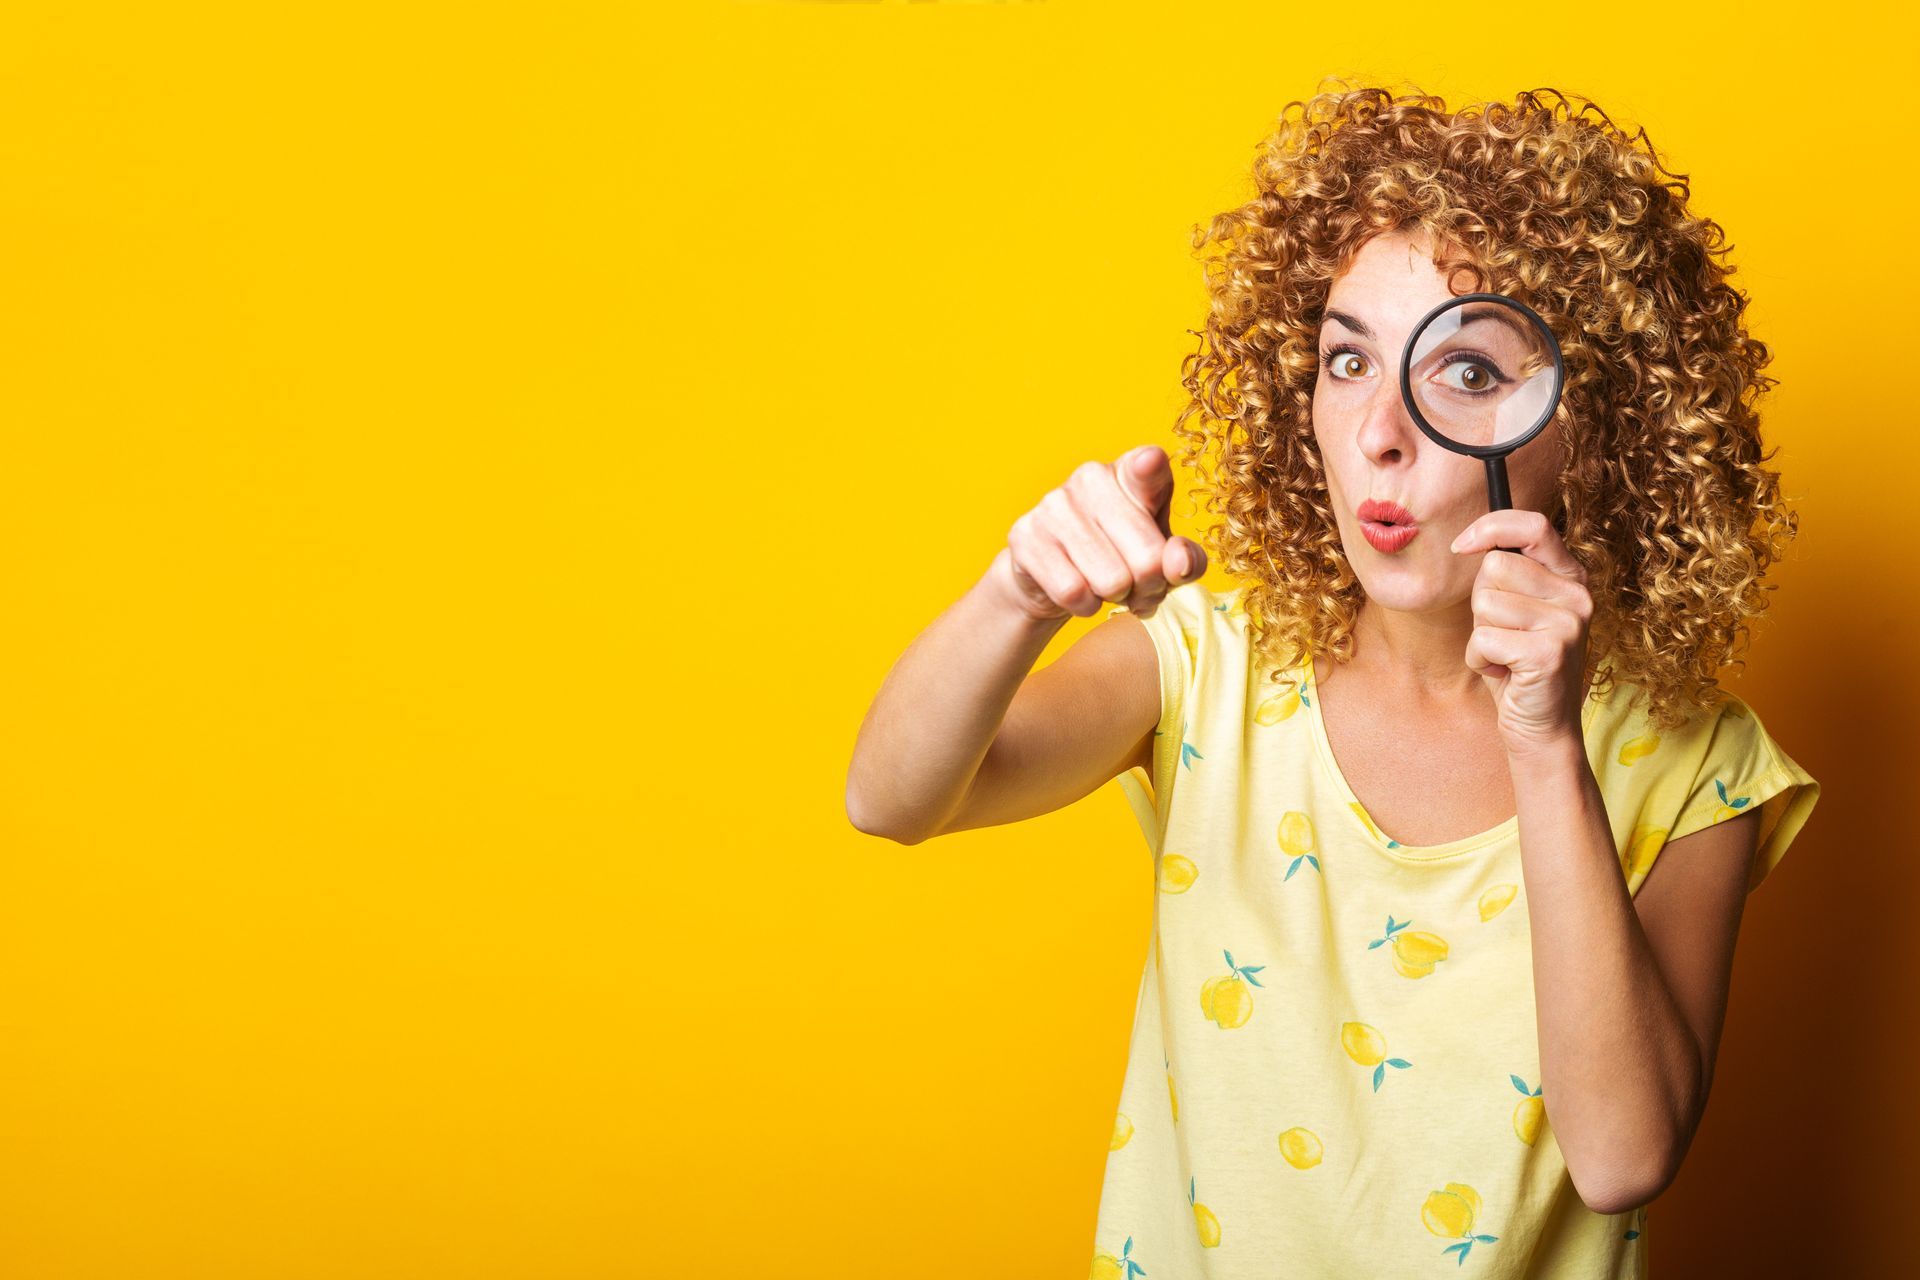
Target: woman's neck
(1417, 656)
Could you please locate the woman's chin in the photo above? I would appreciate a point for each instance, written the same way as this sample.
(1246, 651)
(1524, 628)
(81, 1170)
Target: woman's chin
(1405, 584)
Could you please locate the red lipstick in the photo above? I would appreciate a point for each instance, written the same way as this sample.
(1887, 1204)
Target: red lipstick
(1388, 526)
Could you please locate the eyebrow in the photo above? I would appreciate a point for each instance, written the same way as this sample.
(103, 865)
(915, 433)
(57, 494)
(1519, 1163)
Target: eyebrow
(1503, 314)
(1352, 322)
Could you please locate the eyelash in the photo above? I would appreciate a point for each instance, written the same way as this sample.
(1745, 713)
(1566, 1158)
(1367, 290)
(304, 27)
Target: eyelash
(1326, 358)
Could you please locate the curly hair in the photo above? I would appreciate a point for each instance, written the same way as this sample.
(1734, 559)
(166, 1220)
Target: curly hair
(1664, 497)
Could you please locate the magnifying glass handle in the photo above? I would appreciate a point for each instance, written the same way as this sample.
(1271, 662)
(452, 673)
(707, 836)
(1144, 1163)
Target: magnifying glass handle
(1497, 496)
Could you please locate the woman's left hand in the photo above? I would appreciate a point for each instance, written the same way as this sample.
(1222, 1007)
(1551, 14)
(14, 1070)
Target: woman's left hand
(1531, 612)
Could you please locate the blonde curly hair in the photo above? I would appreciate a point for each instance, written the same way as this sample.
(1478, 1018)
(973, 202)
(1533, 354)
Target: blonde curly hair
(1664, 497)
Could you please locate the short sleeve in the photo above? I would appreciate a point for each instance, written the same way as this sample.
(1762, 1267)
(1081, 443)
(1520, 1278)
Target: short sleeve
(1175, 628)
(1734, 766)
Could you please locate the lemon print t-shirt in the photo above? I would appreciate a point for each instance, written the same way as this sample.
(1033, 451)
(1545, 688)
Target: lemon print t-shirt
(1335, 1065)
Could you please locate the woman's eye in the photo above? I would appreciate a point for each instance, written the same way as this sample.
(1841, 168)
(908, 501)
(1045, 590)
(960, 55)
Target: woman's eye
(1470, 376)
(1346, 365)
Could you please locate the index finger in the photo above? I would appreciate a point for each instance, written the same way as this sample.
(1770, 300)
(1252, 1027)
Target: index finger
(1528, 532)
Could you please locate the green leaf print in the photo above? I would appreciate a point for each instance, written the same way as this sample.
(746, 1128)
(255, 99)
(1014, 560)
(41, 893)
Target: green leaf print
(1467, 1244)
(1380, 1072)
(1721, 787)
(1392, 929)
(1188, 754)
(1244, 970)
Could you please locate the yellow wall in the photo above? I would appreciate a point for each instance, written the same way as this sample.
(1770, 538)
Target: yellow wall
(467, 469)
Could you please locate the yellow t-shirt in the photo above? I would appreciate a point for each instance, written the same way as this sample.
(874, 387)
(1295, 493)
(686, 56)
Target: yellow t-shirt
(1335, 1065)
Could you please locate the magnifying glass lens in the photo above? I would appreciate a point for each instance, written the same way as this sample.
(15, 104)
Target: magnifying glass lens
(1482, 374)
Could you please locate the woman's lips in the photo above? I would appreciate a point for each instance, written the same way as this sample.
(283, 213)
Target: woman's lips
(1388, 538)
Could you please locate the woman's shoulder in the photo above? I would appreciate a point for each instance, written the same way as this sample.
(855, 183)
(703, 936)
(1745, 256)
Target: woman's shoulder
(1621, 714)
(1640, 761)
(1665, 782)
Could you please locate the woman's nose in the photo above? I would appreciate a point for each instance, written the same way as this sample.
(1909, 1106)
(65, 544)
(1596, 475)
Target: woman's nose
(1387, 429)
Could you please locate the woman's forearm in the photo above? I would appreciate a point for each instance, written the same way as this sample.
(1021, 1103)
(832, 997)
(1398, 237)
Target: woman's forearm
(938, 711)
(1619, 1067)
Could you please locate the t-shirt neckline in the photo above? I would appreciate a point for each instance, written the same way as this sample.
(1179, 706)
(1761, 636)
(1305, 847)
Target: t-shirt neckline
(1357, 812)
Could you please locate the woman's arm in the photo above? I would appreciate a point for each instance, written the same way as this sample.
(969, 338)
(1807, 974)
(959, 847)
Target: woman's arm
(1630, 993)
(1629, 1014)
(937, 712)
(922, 752)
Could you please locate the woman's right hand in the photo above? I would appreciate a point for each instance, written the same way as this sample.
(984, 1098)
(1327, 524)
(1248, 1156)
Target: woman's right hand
(1100, 538)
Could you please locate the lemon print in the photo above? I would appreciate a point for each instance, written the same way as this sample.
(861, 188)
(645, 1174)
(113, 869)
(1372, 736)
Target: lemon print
(1414, 954)
(1527, 1115)
(1528, 1112)
(1177, 873)
(1363, 1044)
(1203, 1219)
(1108, 1267)
(1297, 841)
(1279, 707)
(1122, 1130)
(1366, 1046)
(1228, 1001)
(1450, 1212)
(1173, 1095)
(1367, 818)
(1642, 846)
(1729, 808)
(1301, 1148)
(1496, 900)
(1639, 748)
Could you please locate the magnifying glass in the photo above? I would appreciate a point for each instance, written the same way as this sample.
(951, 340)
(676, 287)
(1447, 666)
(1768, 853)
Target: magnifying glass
(1481, 375)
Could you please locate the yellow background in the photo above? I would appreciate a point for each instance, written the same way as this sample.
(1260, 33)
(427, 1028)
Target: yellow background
(468, 469)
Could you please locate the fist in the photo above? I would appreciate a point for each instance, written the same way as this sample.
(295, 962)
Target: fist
(1100, 538)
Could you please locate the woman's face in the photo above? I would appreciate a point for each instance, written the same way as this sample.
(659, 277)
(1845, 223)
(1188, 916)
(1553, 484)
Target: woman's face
(1374, 451)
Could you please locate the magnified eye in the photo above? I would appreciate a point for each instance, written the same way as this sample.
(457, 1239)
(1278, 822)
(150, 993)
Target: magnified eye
(1474, 375)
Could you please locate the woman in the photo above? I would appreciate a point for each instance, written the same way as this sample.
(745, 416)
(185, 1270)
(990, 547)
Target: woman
(1451, 844)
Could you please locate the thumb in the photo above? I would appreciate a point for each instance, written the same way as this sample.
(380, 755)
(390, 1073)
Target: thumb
(1146, 477)
(1182, 561)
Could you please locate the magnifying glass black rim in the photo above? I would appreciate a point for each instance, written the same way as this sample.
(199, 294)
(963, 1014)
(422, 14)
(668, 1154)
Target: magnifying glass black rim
(1441, 438)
